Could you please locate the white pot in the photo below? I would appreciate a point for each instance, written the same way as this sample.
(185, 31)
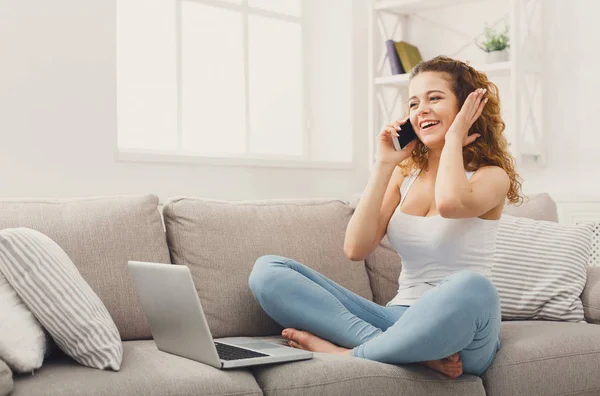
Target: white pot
(496, 56)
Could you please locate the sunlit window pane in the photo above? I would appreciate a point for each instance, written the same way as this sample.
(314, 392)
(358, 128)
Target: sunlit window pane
(146, 75)
(275, 86)
(213, 98)
(294, 74)
(290, 7)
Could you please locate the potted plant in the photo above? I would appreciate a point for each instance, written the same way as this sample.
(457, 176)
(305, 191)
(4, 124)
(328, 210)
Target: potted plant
(495, 45)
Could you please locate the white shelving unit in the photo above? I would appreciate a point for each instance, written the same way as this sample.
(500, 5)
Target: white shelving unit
(523, 73)
(406, 7)
(401, 80)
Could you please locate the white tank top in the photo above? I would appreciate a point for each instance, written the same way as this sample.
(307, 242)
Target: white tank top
(434, 247)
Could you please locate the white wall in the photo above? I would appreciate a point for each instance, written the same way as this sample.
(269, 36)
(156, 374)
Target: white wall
(571, 85)
(58, 112)
(58, 117)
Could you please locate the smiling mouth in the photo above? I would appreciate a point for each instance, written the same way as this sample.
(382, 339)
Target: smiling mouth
(429, 126)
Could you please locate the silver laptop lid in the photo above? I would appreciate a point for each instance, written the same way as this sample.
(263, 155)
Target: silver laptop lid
(171, 305)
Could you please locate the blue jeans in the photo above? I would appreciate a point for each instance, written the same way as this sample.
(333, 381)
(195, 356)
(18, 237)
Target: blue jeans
(461, 314)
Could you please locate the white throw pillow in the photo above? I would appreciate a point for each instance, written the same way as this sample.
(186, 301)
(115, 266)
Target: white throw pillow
(6, 379)
(49, 283)
(23, 342)
(540, 268)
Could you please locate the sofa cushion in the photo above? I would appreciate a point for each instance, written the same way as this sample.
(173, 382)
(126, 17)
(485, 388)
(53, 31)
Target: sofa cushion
(146, 371)
(220, 241)
(6, 379)
(327, 374)
(49, 283)
(384, 264)
(591, 295)
(545, 358)
(535, 206)
(100, 234)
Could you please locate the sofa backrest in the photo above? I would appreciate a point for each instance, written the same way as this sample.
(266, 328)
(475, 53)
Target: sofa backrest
(536, 206)
(100, 235)
(220, 242)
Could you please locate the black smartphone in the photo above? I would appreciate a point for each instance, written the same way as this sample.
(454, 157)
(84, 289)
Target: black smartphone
(407, 135)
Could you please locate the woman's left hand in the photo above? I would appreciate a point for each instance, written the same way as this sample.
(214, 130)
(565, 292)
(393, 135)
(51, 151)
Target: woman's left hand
(470, 112)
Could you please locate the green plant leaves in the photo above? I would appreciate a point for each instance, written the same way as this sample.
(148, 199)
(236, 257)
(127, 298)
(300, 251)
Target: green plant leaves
(494, 41)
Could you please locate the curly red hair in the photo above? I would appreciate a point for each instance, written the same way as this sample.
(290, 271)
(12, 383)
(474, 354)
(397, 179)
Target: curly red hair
(489, 149)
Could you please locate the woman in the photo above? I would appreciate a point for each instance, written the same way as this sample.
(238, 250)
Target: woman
(459, 173)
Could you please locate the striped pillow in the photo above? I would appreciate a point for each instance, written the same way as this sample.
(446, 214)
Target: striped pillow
(50, 285)
(540, 268)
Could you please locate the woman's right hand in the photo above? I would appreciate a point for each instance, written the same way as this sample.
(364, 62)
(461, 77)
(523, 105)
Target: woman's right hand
(386, 153)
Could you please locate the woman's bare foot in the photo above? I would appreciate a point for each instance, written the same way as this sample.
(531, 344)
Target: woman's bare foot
(310, 342)
(450, 366)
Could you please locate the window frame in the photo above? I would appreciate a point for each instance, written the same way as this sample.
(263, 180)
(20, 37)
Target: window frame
(180, 156)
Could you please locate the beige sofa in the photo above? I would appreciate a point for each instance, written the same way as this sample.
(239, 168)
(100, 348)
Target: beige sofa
(220, 241)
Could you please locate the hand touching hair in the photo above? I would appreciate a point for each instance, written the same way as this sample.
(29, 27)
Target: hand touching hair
(491, 147)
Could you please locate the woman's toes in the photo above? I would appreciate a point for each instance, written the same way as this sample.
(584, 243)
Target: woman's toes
(294, 344)
(295, 337)
(454, 372)
(290, 334)
(446, 367)
(286, 332)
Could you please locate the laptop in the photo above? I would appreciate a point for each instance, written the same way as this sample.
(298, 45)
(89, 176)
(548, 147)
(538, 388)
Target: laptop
(178, 325)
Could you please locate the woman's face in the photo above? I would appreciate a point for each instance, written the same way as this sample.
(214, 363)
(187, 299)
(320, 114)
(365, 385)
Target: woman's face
(433, 107)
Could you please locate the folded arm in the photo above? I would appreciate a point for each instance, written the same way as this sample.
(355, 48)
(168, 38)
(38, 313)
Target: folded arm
(459, 197)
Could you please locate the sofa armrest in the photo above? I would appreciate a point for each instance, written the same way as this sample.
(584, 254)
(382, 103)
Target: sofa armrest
(591, 295)
(6, 379)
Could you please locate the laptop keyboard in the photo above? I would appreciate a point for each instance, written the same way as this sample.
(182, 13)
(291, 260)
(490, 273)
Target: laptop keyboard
(230, 352)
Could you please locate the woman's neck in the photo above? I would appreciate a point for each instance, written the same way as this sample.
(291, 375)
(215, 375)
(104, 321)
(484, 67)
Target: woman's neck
(433, 161)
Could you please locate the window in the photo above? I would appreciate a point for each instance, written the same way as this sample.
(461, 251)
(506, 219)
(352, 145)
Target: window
(225, 79)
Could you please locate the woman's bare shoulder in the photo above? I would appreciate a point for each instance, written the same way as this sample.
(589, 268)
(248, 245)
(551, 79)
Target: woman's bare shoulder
(398, 176)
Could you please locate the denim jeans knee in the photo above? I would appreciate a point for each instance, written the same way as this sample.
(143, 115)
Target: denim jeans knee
(263, 270)
(477, 291)
(474, 281)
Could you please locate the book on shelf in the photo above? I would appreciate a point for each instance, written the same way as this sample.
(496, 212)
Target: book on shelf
(402, 55)
(409, 55)
(393, 57)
